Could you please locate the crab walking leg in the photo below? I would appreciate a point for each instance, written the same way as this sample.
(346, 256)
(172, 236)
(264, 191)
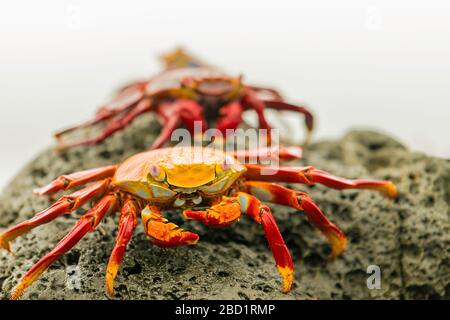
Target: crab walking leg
(274, 93)
(138, 85)
(163, 233)
(191, 112)
(127, 223)
(275, 193)
(116, 124)
(65, 204)
(265, 153)
(251, 101)
(126, 99)
(173, 114)
(227, 211)
(230, 117)
(281, 106)
(262, 214)
(168, 123)
(86, 223)
(310, 175)
(66, 182)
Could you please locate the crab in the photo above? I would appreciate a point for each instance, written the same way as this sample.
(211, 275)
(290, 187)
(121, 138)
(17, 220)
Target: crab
(187, 91)
(210, 185)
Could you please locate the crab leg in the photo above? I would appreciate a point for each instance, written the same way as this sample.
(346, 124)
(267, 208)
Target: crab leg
(65, 204)
(281, 105)
(251, 100)
(127, 224)
(173, 114)
(72, 180)
(138, 85)
(310, 175)
(117, 124)
(275, 94)
(190, 112)
(126, 99)
(275, 193)
(275, 152)
(230, 117)
(164, 233)
(262, 214)
(86, 223)
(168, 123)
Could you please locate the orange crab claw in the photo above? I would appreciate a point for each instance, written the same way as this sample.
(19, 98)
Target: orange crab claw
(163, 233)
(220, 215)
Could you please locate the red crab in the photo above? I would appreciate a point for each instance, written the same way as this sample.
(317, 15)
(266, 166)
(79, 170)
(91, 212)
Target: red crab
(185, 92)
(211, 186)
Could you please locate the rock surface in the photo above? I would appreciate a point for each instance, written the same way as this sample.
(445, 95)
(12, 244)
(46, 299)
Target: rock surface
(409, 238)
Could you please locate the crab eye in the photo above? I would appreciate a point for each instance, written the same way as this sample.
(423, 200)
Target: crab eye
(226, 165)
(154, 170)
(157, 173)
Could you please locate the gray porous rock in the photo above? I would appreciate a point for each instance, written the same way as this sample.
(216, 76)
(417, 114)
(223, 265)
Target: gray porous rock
(408, 238)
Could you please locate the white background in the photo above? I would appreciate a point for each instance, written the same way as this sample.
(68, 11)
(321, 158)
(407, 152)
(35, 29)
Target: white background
(365, 64)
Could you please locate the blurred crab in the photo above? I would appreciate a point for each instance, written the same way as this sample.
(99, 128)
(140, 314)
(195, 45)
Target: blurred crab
(211, 186)
(185, 92)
